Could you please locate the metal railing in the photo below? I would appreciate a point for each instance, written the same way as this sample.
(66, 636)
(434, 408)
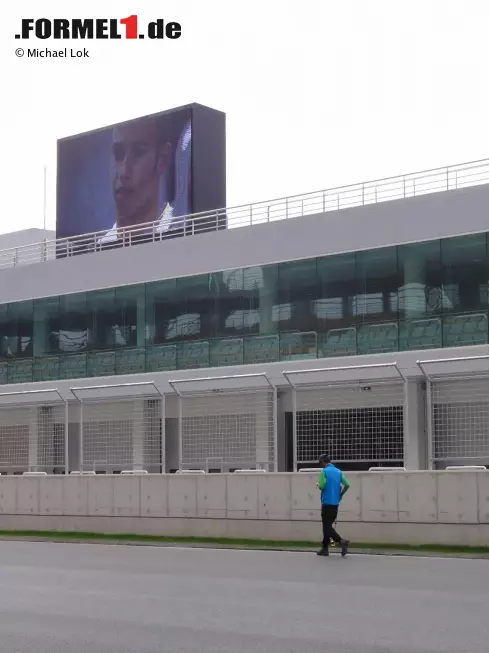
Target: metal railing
(335, 199)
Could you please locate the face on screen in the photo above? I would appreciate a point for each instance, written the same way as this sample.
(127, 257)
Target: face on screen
(138, 161)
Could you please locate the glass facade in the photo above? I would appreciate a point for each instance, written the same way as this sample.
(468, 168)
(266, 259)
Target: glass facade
(407, 297)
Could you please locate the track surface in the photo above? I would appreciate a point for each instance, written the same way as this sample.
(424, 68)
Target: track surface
(122, 599)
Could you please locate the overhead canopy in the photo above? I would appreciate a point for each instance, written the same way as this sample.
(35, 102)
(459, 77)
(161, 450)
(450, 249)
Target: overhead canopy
(455, 367)
(31, 397)
(223, 384)
(116, 391)
(351, 374)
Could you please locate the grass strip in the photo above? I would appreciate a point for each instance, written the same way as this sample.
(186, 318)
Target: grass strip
(236, 543)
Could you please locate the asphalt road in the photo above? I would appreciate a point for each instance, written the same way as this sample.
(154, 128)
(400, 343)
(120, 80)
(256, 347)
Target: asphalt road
(120, 599)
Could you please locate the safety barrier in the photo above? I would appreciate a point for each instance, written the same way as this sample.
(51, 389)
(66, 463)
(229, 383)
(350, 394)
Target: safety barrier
(371, 192)
(447, 507)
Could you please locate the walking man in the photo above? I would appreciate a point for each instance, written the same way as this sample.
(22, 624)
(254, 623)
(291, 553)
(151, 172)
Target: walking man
(333, 485)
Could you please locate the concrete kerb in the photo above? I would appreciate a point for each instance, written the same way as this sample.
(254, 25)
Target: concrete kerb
(358, 549)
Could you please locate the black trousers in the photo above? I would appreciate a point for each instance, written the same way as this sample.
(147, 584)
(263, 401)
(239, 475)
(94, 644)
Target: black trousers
(329, 515)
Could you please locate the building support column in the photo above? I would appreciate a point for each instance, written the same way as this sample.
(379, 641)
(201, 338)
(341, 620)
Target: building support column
(415, 432)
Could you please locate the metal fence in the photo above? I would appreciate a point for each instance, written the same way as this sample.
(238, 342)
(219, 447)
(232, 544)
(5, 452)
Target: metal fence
(382, 190)
(227, 423)
(354, 413)
(458, 410)
(33, 432)
(120, 428)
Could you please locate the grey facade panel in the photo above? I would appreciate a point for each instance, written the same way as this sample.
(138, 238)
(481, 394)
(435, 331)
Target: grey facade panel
(426, 217)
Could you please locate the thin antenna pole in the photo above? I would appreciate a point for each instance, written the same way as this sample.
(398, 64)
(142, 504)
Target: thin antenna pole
(44, 207)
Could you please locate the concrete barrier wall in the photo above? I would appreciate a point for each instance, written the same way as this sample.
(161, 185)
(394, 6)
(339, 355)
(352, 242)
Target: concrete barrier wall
(411, 508)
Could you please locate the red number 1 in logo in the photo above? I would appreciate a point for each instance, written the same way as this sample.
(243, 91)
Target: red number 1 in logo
(131, 23)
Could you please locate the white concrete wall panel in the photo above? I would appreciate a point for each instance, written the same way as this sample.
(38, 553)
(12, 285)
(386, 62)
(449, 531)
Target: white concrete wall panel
(417, 497)
(28, 495)
(242, 496)
(127, 502)
(483, 496)
(379, 497)
(305, 496)
(75, 495)
(51, 495)
(211, 496)
(8, 495)
(101, 496)
(154, 496)
(274, 496)
(351, 504)
(182, 496)
(457, 498)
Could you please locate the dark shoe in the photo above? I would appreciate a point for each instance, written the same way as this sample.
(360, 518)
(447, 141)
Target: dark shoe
(323, 552)
(344, 547)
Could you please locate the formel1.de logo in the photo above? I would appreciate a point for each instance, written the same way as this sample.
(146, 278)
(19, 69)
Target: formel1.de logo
(98, 28)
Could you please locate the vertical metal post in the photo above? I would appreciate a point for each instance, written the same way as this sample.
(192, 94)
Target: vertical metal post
(447, 179)
(180, 431)
(163, 433)
(80, 442)
(45, 197)
(67, 455)
(324, 202)
(294, 429)
(363, 194)
(429, 422)
(404, 187)
(287, 207)
(406, 422)
(275, 430)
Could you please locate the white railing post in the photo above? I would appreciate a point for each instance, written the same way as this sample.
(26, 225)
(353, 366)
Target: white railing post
(429, 420)
(275, 429)
(80, 441)
(66, 433)
(163, 432)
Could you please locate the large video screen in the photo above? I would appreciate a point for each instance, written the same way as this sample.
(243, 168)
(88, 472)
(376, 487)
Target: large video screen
(153, 169)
